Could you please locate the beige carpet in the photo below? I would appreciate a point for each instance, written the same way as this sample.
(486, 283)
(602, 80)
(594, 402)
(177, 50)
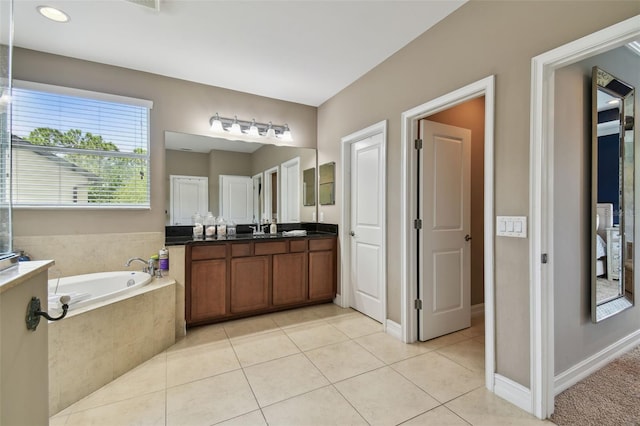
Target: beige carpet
(610, 396)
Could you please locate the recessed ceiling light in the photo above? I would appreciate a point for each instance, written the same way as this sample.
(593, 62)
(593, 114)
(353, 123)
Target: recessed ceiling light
(53, 13)
(613, 102)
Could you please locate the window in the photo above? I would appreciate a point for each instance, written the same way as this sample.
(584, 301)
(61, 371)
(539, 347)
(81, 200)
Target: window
(74, 148)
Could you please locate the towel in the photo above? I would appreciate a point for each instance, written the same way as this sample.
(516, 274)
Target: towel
(295, 233)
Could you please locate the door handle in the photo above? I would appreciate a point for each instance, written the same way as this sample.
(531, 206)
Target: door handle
(353, 234)
(467, 237)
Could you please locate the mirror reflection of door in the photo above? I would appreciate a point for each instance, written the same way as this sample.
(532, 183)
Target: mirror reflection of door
(258, 198)
(271, 200)
(613, 201)
(290, 191)
(236, 198)
(188, 195)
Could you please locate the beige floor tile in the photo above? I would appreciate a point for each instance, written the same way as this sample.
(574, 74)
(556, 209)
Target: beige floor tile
(313, 336)
(323, 406)
(480, 407)
(249, 326)
(254, 418)
(330, 310)
(210, 400)
(384, 397)
(199, 362)
(283, 378)
(263, 347)
(149, 377)
(475, 330)
(356, 325)
(439, 376)
(443, 341)
(343, 360)
(389, 349)
(469, 354)
(198, 336)
(295, 317)
(58, 420)
(439, 416)
(142, 410)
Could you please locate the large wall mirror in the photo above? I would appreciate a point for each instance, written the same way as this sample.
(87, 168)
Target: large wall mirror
(613, 201)
(241, 181)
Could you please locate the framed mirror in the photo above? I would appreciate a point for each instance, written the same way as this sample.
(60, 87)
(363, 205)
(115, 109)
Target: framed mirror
(613, 201)
(309, 187)
(326, 183)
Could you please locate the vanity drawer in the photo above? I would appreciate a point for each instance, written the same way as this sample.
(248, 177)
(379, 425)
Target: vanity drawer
(297, 246)
(273, 247)
(241, 250)
(321, 244)
(218, 251)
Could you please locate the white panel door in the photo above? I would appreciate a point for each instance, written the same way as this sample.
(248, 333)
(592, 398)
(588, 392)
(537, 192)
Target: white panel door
(187, 195)
(290, 190)
(367, 257)
(444, 241)
(236, 198)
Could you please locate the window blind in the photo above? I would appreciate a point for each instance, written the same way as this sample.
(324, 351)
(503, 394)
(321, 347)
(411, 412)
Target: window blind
(78, 151)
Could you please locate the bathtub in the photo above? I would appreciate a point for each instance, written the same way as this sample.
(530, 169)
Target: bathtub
(89, 289)
(128, 319)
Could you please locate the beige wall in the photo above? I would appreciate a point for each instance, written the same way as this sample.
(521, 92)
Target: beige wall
(470, 115)
(576, 337)
(479, 39)
(179, 106)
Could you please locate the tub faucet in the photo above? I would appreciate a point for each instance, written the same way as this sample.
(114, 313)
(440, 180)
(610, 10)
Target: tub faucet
(149, 266)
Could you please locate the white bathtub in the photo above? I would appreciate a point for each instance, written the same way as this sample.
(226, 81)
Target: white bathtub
(88, 289)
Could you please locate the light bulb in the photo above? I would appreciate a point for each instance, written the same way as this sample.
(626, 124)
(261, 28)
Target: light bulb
(235, 127)
(216, 124)
(286, 135)
(271, 133)
(253, 130)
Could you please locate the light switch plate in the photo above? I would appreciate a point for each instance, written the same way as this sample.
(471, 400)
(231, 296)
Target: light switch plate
(511, 226)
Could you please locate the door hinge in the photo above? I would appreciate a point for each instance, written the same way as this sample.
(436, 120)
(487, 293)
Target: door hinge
(544, 258)
(417, 223)
(418, 144)
(418, 304)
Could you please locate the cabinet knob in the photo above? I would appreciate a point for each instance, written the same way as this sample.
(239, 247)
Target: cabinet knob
(353, 234)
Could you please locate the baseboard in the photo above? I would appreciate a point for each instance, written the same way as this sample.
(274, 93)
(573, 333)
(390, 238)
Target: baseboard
(393, 329)
(338, 301)
(583, 369)
(477, 310)
(513, 392)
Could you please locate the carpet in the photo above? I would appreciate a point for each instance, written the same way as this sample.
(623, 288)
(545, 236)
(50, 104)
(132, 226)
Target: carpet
(610, 396)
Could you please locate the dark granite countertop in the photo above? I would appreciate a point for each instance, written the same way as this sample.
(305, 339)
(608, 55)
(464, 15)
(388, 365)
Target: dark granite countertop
(182, 235)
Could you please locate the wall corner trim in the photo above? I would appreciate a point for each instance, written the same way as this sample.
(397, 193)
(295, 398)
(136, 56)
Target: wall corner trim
(586, 367)
(513, 392)
(393, 329)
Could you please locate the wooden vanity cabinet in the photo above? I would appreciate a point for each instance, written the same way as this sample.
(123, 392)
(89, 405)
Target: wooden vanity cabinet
(229, 280)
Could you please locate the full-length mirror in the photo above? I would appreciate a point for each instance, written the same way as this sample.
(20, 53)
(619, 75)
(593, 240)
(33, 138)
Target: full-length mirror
(613, 180)
(246, 182)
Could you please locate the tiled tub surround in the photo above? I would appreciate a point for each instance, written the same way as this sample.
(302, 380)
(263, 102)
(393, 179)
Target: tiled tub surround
(96, 344)
(87, 253)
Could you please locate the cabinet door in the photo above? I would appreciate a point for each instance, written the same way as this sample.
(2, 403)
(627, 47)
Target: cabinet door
(249, 283)
(208, 289)
(322, 275)
(289, 278)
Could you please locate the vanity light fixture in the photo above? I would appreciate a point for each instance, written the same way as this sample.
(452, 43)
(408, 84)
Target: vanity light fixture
(53, 14)
(251, 128)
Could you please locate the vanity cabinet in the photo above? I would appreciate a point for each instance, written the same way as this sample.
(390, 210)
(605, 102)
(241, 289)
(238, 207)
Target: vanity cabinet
(226, 280)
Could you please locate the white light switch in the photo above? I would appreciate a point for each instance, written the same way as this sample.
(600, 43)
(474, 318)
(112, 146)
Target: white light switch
(511, 226)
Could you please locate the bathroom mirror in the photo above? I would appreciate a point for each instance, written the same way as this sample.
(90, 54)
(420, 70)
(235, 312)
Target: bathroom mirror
(613, 202)
(188, 155)
(309, 187)
(326, 183)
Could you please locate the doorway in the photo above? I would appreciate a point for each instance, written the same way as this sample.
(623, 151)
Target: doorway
(363, 233)
(409, 205)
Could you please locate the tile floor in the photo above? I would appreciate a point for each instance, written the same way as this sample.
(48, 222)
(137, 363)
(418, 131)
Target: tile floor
(321, 365)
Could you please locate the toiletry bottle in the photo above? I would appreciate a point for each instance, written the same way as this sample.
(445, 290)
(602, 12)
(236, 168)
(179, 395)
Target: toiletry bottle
(163, 255)
(209, 225)
(273, 229)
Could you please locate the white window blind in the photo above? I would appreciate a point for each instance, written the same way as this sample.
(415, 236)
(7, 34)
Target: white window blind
(73, 148)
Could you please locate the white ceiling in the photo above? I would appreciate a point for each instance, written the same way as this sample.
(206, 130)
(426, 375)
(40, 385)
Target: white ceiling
(302, 51)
